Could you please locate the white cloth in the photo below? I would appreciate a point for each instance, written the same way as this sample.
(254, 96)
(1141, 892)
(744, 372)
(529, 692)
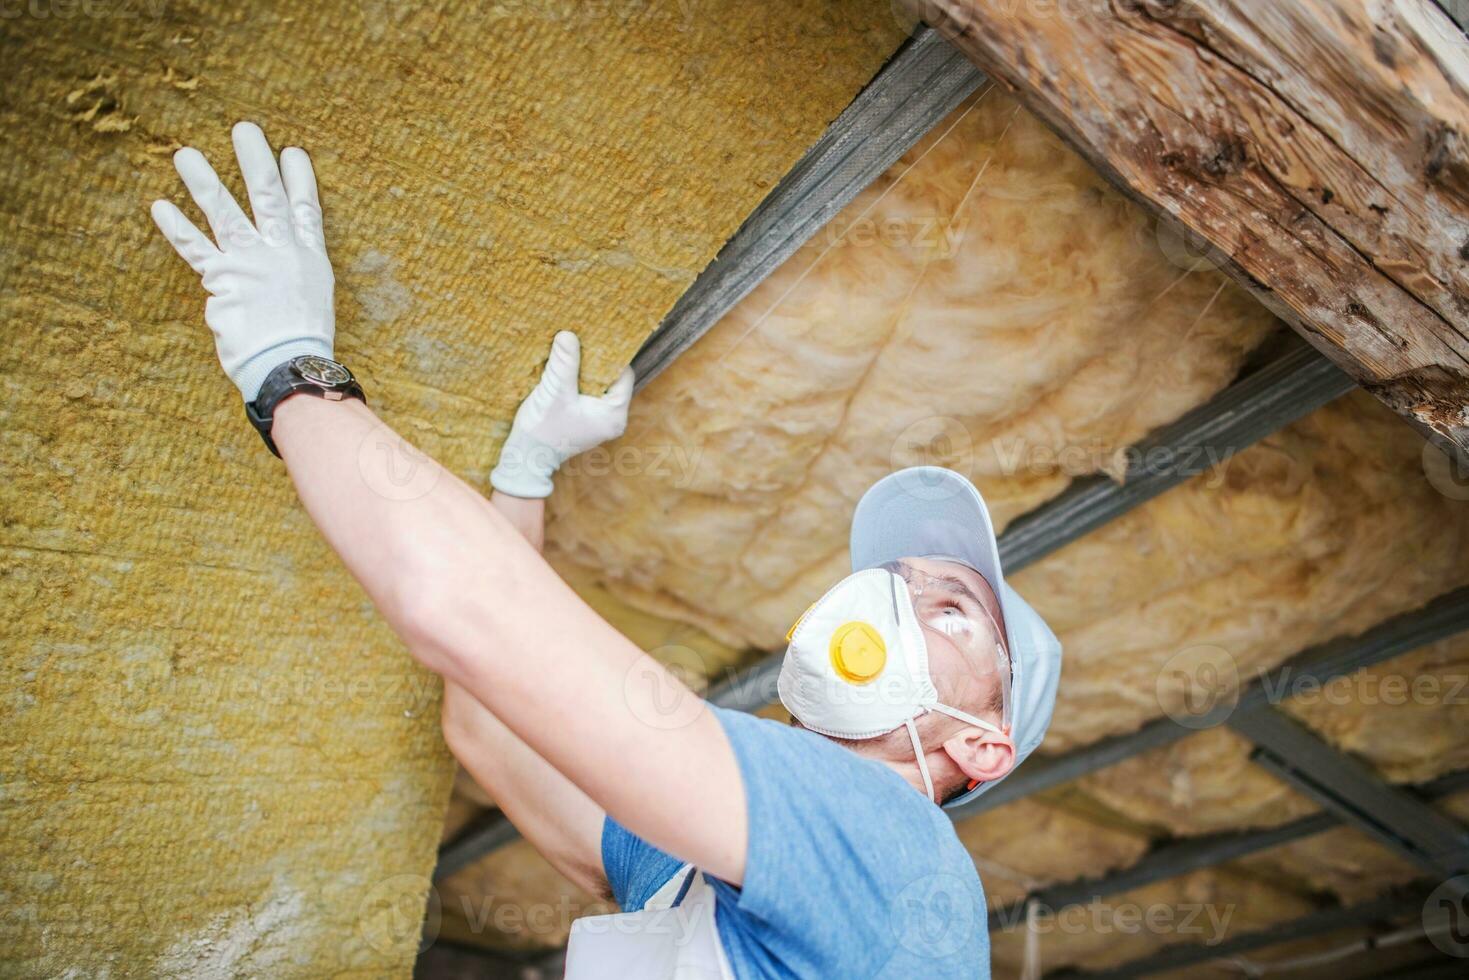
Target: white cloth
(668, 939)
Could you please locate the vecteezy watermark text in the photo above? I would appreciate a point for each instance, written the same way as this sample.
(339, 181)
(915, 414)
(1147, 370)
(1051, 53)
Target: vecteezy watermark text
(1201, 686)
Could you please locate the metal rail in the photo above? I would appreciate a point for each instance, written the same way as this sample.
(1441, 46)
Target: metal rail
(1179, 857)
(1359, 797)
(490, 832)
(920, 85)
(1397, 904)
(1295, 384)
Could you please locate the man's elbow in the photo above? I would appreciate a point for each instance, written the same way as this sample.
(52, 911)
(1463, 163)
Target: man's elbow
(431, 612)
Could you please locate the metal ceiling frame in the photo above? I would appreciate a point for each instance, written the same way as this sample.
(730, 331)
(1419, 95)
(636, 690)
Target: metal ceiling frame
(1179, 857)
(1357, 796)
(919, 86)
(1349, 793)
(1395, 904)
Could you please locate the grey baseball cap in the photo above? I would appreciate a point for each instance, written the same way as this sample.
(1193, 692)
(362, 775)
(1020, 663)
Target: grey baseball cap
(929, 511)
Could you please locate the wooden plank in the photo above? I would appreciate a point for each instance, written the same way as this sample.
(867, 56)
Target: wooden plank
(1319, 148)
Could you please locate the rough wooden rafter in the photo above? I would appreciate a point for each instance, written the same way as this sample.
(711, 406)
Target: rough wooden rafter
(1319, 148)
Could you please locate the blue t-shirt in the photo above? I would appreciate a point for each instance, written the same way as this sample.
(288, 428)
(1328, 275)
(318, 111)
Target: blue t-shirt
(849, 874)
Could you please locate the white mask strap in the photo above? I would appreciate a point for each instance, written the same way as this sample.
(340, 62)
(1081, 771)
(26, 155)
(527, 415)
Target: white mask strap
(968, 719)
(922, 762)
(965, 717)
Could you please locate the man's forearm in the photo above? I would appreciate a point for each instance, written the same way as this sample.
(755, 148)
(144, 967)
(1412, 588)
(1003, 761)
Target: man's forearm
(384, 507)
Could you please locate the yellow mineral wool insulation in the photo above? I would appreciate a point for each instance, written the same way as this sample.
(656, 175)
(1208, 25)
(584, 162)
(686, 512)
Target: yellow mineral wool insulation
(1015, 849)
(216, 760)
(1409, 717)
(1200, 907)
(990, 303)
(1342, 862)
(1198, 785)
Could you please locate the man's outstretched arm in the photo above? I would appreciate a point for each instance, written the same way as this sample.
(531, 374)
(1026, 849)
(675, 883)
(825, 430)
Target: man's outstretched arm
(473, 600)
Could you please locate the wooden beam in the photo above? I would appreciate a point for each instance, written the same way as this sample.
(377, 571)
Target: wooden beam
(1318, 148)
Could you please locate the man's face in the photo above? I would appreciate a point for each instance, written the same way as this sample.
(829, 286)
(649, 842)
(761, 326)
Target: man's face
(965, 670)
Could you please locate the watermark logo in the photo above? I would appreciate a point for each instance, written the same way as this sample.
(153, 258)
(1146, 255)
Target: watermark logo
(393, 914)
(83, 9)
(394, 468)
(935, 916)
(1198, 686)
(142, 693)
(936, 440)
(1202, 922)
(676, 464)
(1446, 917)
(1185, 248)
(663, 697)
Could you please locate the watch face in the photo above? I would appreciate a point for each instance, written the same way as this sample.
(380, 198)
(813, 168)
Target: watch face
(322, 370)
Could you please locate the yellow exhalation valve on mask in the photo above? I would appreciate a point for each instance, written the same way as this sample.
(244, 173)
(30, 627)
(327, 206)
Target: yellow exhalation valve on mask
(858, 653)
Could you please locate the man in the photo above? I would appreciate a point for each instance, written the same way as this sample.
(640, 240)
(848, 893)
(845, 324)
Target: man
(737, 847)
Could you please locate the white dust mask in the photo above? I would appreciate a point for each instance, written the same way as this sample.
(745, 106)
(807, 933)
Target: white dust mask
(857, 665)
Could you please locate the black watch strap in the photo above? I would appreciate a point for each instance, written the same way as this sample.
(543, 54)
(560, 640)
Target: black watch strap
(308, 374)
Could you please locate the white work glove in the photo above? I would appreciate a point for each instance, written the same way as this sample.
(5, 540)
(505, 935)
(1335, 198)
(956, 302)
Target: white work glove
(269, 281)
(555, 422)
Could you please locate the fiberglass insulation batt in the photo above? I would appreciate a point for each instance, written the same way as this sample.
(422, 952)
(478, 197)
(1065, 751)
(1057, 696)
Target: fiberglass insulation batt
(215, 759)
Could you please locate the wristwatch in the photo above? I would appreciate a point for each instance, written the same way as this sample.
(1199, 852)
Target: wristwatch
(308, 374)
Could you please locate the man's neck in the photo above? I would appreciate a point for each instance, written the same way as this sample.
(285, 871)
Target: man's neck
(937, 770)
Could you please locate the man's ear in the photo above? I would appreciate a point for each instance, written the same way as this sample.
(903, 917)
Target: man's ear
(981, 754)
